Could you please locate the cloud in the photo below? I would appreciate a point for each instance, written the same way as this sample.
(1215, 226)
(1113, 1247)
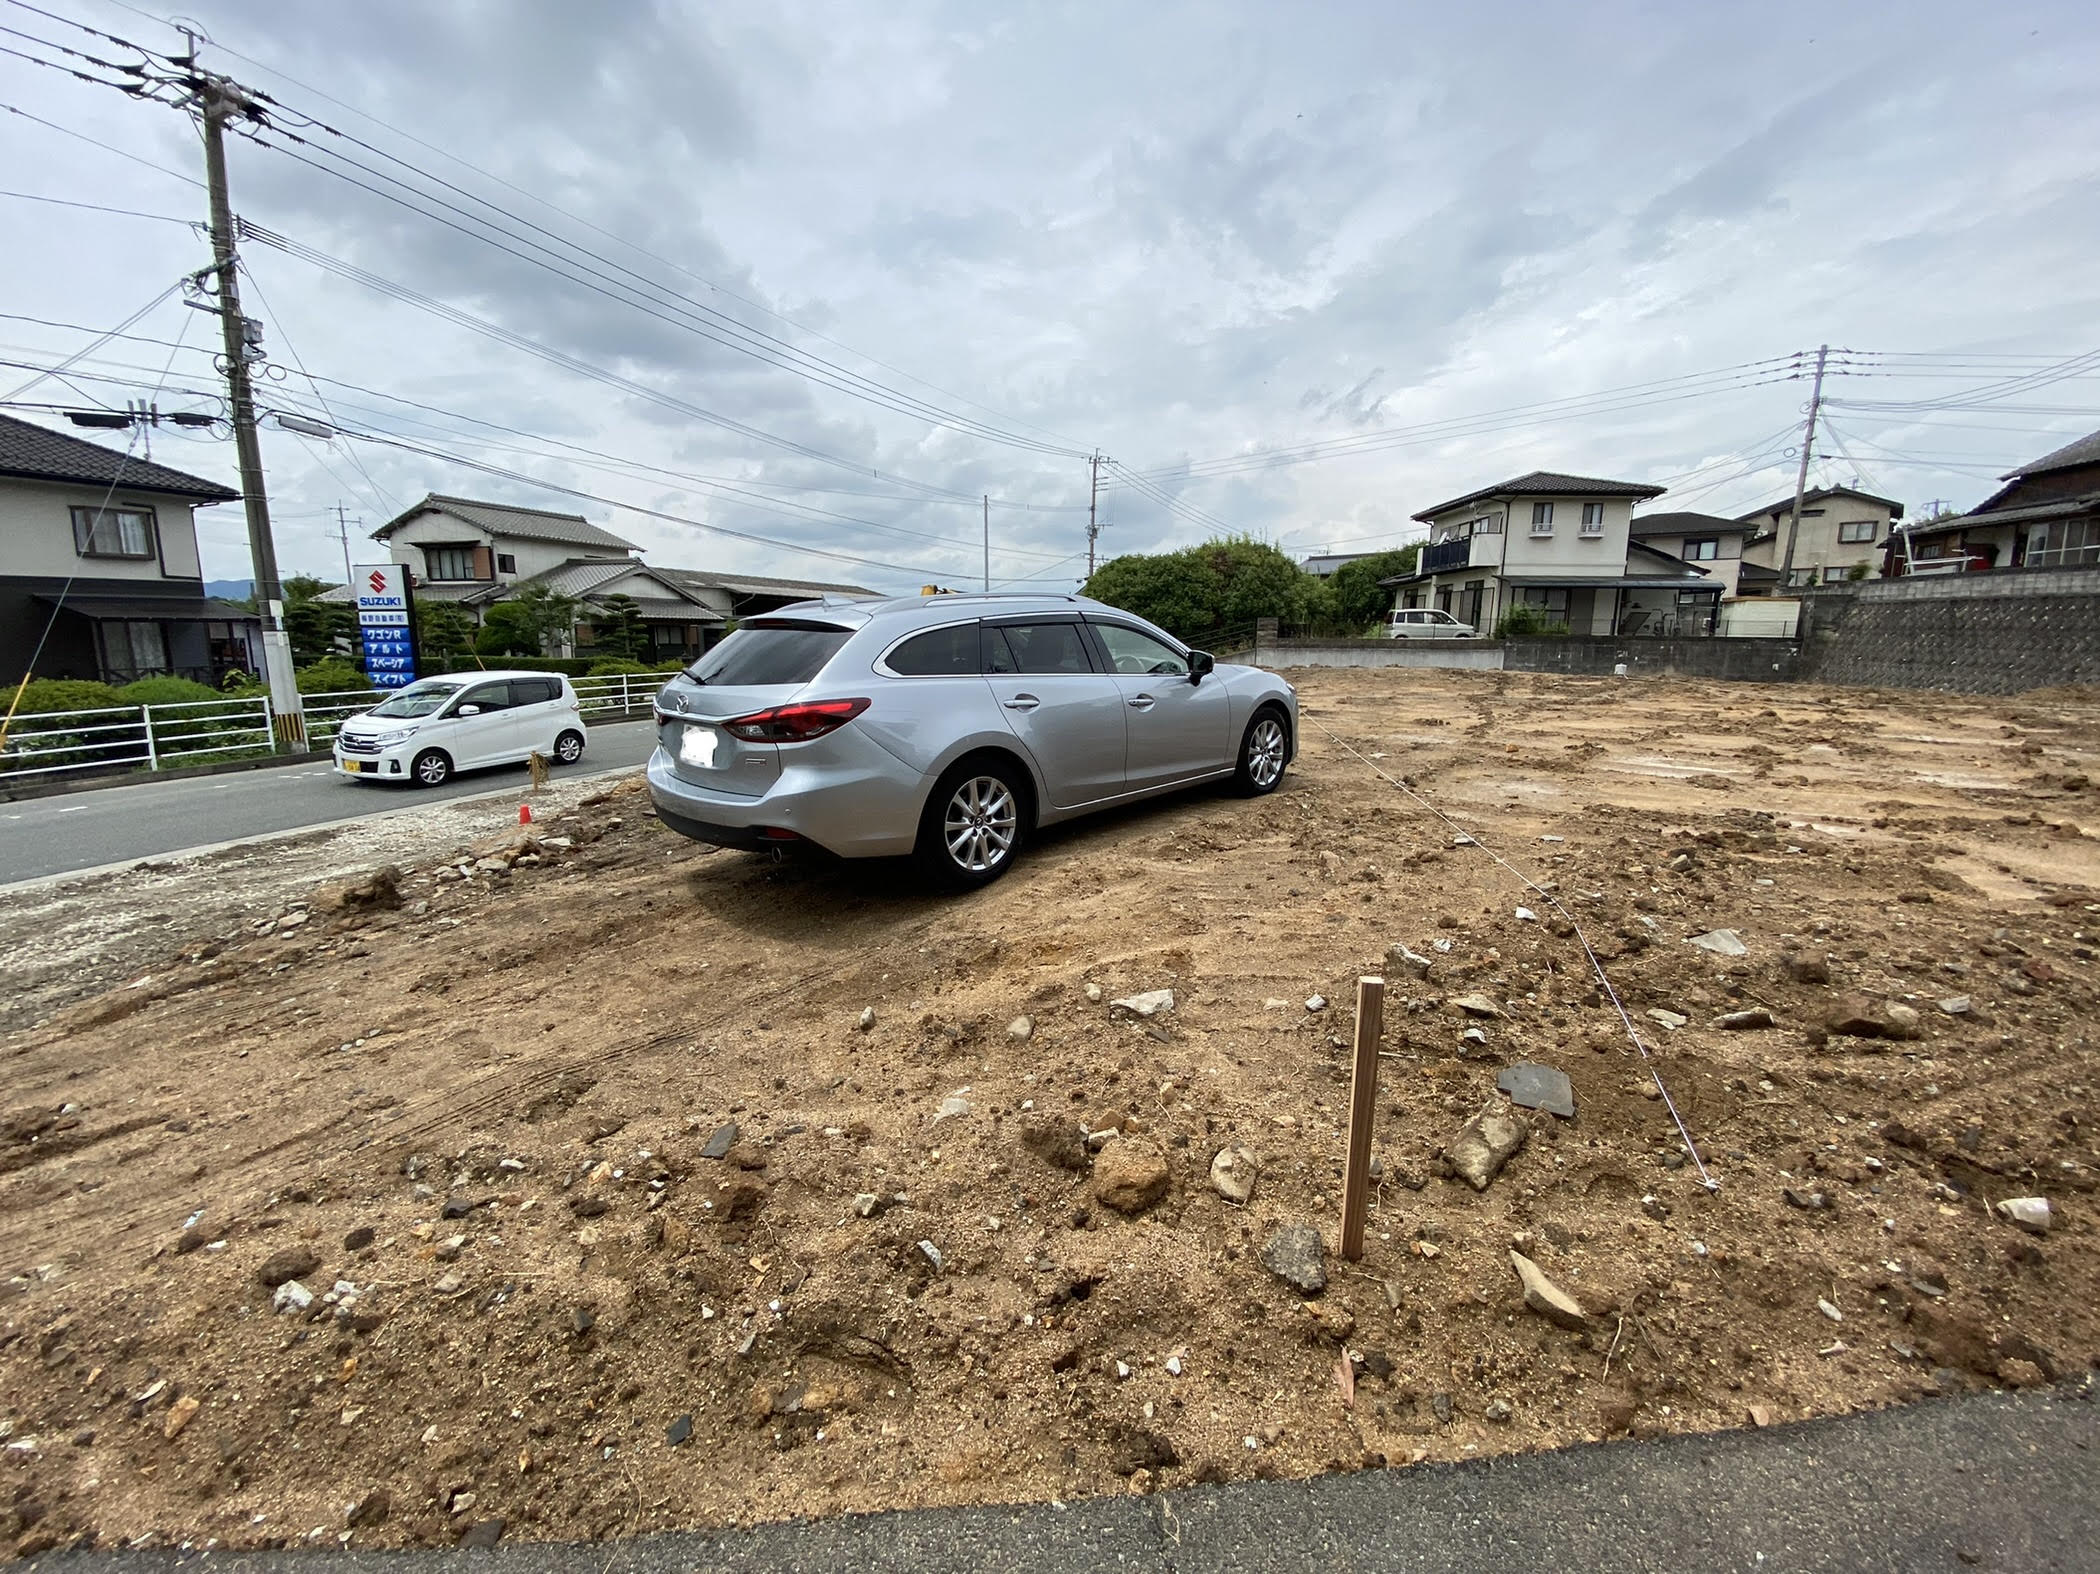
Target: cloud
(1175, 232)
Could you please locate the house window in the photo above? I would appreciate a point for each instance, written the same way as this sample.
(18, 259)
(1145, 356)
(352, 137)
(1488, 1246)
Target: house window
(1856, 530)
(113, 532)
(450, 562)
(1490, 525)
(132, 649)
(1593, 519)
(1703, 550)
(506, 563)
(1542, 519)
(1547, 598)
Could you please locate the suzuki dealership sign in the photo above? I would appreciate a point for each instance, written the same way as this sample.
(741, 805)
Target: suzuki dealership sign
(382, 618)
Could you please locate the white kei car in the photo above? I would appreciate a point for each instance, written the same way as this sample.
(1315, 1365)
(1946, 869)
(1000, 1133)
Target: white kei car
(1427, 623)
(425, 731)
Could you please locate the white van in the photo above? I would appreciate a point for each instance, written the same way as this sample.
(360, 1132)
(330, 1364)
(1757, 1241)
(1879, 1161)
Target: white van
(1427, 623)
(424, 732)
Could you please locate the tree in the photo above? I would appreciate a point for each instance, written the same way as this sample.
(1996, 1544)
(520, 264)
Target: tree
(317, 629)
(506, 630)
(1177, 590)
(621, 633)
(1258, 581)
(525, 624)
(443, 629)
(1358, 598)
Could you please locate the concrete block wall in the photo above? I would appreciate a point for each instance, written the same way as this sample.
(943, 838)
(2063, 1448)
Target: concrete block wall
(2000, 638)
(1739, 660)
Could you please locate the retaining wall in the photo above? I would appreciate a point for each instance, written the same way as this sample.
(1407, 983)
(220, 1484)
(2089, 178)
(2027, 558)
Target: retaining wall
(1989, 633)
(1479, 654)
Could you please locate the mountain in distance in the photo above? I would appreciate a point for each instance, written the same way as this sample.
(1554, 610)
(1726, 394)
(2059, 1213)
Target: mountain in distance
(229, 589)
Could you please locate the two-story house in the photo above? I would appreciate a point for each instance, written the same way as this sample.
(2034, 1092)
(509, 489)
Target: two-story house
(475, 554)
(1561, 544)
(1841, 536)
(2047, 515)
(99, 571)
(1713, 543)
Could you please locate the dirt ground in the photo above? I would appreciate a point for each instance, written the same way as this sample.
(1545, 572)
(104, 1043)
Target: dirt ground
(477, 1128)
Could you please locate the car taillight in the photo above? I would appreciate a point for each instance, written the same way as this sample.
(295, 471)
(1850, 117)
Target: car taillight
(794, 723)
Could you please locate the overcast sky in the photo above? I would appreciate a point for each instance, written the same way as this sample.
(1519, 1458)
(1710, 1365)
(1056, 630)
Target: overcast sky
(1175, 233)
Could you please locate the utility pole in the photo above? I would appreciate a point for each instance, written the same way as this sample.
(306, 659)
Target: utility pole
(216, 100)
(342, 534)
(1793, 524)
(988, 543)
(1093, 501)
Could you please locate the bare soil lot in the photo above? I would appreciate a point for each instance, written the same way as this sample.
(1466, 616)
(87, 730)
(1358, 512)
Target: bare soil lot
(476, 1127)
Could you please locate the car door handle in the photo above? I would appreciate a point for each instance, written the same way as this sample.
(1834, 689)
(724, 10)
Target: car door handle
(1023, 702)
(1141, 702)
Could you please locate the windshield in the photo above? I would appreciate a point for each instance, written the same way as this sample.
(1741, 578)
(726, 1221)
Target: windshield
(769, 654)
(418, 699)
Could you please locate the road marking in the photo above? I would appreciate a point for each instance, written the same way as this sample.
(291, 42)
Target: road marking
(72, 808)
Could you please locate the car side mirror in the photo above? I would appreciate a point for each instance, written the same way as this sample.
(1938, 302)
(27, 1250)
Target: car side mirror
(1201, 662)
(468, 710)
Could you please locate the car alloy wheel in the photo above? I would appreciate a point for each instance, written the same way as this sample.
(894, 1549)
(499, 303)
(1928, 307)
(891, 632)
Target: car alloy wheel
(1265, 750)
(980, 824)
(431, 769)
(568, 748)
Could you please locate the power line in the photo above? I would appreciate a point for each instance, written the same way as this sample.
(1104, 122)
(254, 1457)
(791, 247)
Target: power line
(573, 218)
(107, 147)
(96, 207)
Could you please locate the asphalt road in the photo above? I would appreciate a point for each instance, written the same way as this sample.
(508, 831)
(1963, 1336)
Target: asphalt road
(82, 830)
(1996, 1482)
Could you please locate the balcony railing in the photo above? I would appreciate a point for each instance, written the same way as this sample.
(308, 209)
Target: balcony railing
(1447, 554)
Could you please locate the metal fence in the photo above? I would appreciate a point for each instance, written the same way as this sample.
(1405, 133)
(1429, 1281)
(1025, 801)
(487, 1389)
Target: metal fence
(135, 737)
(54, 744)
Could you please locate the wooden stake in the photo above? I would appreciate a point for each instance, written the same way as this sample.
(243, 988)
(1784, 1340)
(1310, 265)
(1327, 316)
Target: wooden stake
(1363, 1107)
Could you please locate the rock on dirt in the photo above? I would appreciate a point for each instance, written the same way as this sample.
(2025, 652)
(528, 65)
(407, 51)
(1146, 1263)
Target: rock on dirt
(1233, 1172)
(1860, 1017)
(1149, 1004)
(377, 891)
(1546, 1298)
(1534, 1086)
(1722, 942)
(1130, 1176)
(292, 1296)
(371, 1509)
(1021, 1029)
(1296, 1255)
(1751, 1021)
(290, 1262)
(1484, 1144)
(1476, 1005)
(1808, 969)
(1408, 961)
(2029, 1213)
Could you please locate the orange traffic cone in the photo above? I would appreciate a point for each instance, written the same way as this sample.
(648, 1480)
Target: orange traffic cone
(524, 814)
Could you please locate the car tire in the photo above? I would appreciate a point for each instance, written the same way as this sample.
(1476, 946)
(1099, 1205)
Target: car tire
(432, 768)
(568, 748)
(1264, 752)
(974, 822)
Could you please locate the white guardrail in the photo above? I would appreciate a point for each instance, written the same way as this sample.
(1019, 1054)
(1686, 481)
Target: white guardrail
(202, 732)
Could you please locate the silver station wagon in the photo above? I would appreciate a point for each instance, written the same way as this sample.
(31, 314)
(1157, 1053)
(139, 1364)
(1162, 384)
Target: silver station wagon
(949, 727)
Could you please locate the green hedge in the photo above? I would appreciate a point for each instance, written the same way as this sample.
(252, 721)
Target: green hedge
(167, 691)
(571, 666)
(42, 695)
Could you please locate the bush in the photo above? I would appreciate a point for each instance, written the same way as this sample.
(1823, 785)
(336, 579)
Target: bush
(675, 664)
(617, 666)
(50, 694)
(466, 666)
(1525, 622)
(331, 677)
(166, 691)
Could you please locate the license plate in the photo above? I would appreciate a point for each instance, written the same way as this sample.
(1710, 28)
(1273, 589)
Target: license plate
(697, 747)
(353, 765)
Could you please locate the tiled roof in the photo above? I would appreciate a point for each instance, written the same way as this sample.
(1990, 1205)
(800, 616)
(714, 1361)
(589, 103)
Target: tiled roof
(522, 524)
(756, 584)
(36, 453)
(1681, 524)
(1818, 494)
(2086, 451)
(1551, 483)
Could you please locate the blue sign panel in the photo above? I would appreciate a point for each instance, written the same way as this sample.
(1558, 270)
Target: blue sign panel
(382, 619)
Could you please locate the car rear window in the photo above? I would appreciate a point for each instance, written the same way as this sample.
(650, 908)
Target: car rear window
(950, 652)
(769, 654)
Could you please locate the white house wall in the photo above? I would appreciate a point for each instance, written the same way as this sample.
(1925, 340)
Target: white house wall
(36, 534)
